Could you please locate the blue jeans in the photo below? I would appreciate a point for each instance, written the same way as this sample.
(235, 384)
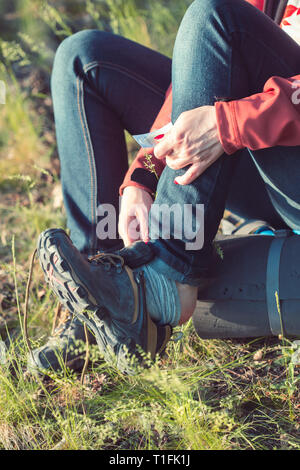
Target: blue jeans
(103, 84)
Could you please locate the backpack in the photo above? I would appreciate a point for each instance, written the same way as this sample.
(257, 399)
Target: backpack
(254, 285)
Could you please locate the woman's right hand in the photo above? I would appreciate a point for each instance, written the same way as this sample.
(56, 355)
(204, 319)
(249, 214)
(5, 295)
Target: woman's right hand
(133, 220)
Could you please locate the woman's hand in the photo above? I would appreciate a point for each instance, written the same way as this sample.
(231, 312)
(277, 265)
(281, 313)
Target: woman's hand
(193, 140)
(133, 220)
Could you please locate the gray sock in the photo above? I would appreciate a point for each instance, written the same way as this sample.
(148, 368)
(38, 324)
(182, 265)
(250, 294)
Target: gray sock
(162, 297)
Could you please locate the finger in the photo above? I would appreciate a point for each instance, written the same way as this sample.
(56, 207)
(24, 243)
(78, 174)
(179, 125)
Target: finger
(176, 163)
(144, 228)
(124, 231)
(127, 240)
(164, 147)
(190, 175)
(133, 229)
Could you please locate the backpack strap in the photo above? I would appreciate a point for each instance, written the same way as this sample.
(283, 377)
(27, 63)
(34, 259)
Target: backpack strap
(272, 280)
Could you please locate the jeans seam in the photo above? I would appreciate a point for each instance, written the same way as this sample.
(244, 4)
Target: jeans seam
(125, 71)
(89, 148)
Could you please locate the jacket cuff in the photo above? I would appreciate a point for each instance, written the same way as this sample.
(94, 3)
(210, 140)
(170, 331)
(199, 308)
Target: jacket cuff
(145, 178)
(227, 127)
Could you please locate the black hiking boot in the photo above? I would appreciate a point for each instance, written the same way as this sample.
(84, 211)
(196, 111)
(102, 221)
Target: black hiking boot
(64, 348)
(107, 293)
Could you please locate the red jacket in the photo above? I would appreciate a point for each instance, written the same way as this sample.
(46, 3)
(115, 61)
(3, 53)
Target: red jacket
(263, 120)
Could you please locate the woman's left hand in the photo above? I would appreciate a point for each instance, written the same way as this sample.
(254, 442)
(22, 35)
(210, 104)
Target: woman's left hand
(193, 140)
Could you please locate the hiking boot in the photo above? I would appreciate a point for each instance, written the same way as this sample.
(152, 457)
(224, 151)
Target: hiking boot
(106, 294)
(64, 348)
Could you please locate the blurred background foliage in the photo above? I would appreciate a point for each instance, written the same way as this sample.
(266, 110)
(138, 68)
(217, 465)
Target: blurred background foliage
(30, 31)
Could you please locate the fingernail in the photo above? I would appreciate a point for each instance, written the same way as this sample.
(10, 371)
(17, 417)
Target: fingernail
(175, 182)
(160, 136)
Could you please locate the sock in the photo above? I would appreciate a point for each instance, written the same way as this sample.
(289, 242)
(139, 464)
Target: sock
(162, 297)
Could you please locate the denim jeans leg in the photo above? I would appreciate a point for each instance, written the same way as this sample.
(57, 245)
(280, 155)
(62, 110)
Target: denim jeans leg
(248, 195)
(101, 84)
(223, 50)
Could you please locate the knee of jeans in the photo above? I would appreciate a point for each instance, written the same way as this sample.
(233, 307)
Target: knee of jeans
(207, 5)
(77, 50)
(199, 8)
(204, 9)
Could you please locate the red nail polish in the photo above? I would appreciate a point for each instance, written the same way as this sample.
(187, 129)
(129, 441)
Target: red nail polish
(175, 182)
(160, 136)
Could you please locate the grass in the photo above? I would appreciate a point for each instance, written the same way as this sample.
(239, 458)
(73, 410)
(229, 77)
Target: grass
(205, 394)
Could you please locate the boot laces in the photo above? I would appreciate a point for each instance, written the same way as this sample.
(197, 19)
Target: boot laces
(112, 259)
(108, 260)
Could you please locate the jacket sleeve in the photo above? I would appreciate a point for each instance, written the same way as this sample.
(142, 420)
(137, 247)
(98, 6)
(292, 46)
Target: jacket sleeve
(262, 120)
(139, 174)
(257, 3)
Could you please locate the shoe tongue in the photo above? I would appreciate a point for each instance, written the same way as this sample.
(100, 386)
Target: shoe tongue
(137, 254)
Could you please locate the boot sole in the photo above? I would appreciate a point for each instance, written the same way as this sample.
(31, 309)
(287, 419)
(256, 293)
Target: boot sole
(70, 289)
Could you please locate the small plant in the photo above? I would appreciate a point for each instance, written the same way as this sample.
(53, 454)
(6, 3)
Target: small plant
(150, 165)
